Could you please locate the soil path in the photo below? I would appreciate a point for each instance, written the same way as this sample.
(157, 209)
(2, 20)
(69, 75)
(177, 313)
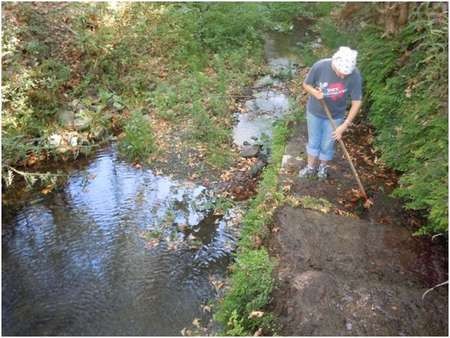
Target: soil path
(344, 274)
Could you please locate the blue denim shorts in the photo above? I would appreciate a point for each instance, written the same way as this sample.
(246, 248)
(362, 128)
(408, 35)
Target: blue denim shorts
(320, 141)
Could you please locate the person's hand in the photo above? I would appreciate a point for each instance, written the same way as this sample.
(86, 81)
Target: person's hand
(318, 94)
(337, 134)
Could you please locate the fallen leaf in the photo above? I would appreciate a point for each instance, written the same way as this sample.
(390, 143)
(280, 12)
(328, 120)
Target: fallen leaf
(258, 333)
(196, 322)
(368, 203)
(32, 160)
(206, 308)
(47, 189)
(218, 284)
(256, 314)
(287, 188)
(186, 332)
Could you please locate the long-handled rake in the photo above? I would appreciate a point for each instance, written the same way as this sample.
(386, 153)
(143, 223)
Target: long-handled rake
(368, 202)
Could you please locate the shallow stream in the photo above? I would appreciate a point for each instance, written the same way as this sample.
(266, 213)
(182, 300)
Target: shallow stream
(120, 250)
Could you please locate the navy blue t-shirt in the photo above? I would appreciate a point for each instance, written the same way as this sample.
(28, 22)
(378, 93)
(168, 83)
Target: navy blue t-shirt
(336, 90)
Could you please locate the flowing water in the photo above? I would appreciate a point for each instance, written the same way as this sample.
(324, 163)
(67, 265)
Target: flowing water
(120, 250)
(270, 100)
(116, 251)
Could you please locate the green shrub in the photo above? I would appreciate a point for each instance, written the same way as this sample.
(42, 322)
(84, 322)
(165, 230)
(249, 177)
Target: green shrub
(224, 26)
(138, 142)
(409, 113)
(251, 285)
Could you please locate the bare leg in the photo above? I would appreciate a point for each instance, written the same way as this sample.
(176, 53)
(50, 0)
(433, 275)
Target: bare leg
(312, 161)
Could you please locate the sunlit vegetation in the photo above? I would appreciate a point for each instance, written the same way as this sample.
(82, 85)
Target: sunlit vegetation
(243, 310)
(65, 62)
(405, 67)
(79, 74)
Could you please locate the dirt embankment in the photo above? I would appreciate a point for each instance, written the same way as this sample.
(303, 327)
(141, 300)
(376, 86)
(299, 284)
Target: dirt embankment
(346, 272)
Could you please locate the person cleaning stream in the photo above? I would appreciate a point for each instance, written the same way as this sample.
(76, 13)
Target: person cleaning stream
(333, 80)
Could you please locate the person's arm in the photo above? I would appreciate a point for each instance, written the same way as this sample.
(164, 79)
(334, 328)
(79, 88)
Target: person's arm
(317, 93)
(311, 80)
(354, 109)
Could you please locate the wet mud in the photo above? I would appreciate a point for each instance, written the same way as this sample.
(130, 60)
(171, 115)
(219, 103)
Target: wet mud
(349, 270)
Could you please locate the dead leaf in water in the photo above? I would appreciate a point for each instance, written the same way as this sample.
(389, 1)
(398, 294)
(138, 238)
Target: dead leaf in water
(217, 284)
(196, 322)
(206, 308)
(186, 332)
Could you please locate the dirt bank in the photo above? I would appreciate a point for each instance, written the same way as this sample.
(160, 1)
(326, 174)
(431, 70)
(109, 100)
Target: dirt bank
(344, 274)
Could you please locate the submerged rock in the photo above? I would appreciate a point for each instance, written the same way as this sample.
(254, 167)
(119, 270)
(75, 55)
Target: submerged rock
(281, 66)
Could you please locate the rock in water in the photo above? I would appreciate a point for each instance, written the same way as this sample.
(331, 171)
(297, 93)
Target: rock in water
(250, 150)
(264, 81)
(66, 118)
(257, 167)
(82, 122)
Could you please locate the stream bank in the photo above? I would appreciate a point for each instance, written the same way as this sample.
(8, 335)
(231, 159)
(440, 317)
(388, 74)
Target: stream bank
(341, 269)
(122, 249)
(344, 270)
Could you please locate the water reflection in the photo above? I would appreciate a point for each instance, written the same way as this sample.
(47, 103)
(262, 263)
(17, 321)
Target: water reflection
(120, 250)
(75, 262)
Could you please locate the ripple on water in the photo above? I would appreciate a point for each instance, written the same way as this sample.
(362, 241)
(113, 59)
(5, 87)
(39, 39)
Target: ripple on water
(75, 261)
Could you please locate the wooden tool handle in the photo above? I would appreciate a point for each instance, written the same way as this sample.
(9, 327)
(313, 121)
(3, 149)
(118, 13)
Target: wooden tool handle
(344, 149)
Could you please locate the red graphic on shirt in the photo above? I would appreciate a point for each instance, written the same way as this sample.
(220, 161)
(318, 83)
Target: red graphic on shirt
(336, 91)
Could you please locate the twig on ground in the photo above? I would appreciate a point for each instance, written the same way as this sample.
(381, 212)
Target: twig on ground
(434, 287)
